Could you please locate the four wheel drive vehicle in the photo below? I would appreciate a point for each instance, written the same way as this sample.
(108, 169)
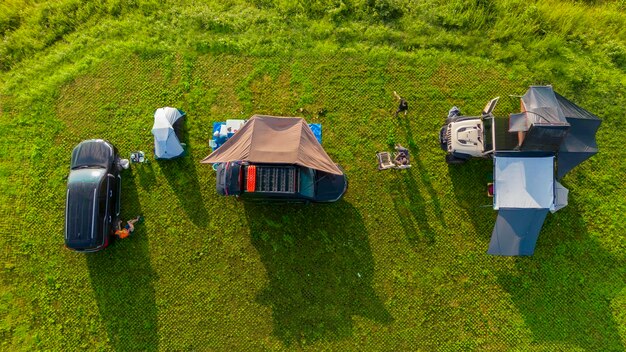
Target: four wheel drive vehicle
(278, 183)
(464, 137)
(541, 127)
(92, 205)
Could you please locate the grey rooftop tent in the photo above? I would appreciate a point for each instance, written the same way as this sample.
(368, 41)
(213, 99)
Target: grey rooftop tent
(541, 120)
(279, 140)
(166, 142)
(559, 135)
(554, 124)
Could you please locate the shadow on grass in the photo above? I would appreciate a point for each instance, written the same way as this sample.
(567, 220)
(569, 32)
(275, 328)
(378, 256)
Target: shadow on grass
(564, 292)
(418, 167)
(469, 183)
(410, 207)
(320, 269)
(182, 177)
(121, 277)
(145, 172)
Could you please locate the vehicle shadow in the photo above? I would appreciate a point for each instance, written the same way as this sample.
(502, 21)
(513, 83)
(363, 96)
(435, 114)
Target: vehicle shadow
(320, 270)
(469, 184)
(182, 176)
(564, 292)
(121, 277)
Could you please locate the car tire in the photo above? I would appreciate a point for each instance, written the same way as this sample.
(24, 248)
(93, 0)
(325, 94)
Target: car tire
(452, 160)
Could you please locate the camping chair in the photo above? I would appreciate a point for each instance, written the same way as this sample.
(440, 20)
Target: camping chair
(490, 189)
(138, 157)
(384, 161)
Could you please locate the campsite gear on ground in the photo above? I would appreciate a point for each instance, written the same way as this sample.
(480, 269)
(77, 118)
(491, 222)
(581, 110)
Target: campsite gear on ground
(384, 161)
(222, 131)
(316, 128)
(549, 137)
(124, 164)
(138, 157)
(401, 159)
(277, 159)
(166, 131)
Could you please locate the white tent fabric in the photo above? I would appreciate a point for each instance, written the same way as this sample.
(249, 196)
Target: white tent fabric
(523, 183)
(561, 195)
(166, 143)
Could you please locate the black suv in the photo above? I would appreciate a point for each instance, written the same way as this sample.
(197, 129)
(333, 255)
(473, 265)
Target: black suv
(279, 183)
(92, 205)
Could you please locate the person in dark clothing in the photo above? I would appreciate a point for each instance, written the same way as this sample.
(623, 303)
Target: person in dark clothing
(402, 155)
(404, 106)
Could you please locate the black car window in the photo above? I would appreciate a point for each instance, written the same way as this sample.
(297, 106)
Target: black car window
(102, 199)
(102, 210)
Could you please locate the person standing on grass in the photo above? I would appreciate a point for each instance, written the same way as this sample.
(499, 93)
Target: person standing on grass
(128, 229)
(404, 106)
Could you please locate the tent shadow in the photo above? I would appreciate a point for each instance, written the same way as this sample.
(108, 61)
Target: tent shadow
(182, 176)
(564, 291)
(145, 171)
(121, 277)
(320, 270)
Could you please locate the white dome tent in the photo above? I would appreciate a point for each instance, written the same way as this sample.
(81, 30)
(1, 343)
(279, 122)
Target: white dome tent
(166, 142)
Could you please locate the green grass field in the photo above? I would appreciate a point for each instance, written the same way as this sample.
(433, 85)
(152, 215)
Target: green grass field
(399, 264)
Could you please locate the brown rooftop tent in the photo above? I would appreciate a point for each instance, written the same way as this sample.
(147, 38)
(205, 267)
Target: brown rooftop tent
(279, 140)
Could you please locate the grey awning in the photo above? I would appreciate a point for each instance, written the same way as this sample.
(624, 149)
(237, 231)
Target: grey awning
(580, 143)
(516, 231)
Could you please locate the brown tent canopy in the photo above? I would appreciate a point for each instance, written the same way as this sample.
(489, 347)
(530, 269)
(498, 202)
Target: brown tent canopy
(271, 139)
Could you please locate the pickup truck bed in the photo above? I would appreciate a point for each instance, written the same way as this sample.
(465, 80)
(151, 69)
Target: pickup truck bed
(504, 140)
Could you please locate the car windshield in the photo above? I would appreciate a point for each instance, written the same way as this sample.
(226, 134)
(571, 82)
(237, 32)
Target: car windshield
(92, 154)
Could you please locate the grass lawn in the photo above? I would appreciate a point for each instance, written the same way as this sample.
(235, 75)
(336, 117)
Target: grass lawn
(399, 264)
